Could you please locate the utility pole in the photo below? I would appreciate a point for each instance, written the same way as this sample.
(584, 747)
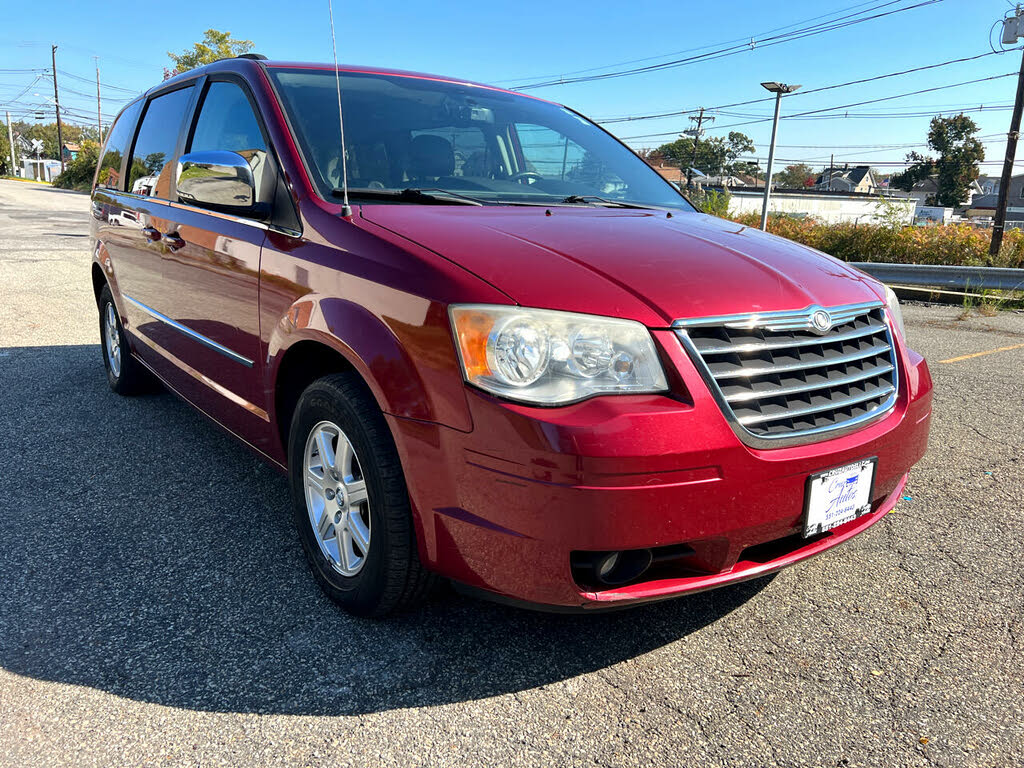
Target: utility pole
(696, 133)
(1013, 30)
(10, 138)
(831, 165)
(56, 106)
(778, 89)
(99, 116)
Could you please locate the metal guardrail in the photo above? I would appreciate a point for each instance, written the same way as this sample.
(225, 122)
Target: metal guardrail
(944, 277)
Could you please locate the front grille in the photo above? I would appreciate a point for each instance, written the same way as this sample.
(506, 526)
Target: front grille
(777, 377)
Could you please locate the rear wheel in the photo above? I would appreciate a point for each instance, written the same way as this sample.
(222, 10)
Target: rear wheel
(350, 502)
(125, 374)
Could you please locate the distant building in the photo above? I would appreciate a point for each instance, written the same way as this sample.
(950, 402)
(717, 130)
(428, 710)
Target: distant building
(70, 151)
(732, 181)
(829, 207)
(924, 191)
(40, 170)
(982, 206)
(677, 175)
(857, 179)
(989, 185)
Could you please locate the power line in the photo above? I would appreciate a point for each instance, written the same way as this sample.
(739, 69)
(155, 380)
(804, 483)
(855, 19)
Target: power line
(656, 116)
(839, 107)
(132, 91)
(745, 40)
(798, 34)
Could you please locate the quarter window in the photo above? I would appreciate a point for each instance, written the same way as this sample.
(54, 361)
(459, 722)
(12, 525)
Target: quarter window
(109, 176)
(151, 166)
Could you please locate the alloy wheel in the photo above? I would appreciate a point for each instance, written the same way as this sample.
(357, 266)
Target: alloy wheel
(112, 339)
(336, 498)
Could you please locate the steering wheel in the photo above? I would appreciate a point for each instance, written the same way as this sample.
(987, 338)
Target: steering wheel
(525, 175)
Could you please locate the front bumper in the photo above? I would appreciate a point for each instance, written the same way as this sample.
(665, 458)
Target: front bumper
(503, 507)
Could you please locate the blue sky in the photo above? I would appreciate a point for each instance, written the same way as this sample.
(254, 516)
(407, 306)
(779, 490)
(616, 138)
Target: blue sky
(511, 44)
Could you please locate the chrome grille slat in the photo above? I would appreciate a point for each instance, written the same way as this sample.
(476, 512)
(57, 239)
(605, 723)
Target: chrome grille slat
(788, 377)
(740, 397)
(834, 406)
(856, 333)
(874, 351)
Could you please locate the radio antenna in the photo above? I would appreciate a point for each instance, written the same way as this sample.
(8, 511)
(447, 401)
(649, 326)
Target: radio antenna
(346, 209)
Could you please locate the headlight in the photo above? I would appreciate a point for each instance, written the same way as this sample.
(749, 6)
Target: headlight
(894, 311)
(549, 358)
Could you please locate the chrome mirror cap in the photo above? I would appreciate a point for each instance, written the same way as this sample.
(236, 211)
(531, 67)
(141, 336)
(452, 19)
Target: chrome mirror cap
(217, 179)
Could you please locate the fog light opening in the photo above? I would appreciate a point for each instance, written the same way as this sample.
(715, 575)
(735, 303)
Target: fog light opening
(606, 565)
(615, 568)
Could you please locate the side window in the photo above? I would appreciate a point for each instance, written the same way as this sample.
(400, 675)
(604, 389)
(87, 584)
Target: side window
(109, 176)
(547, 152)
(554, 156)
(226, 122)
(150, 171)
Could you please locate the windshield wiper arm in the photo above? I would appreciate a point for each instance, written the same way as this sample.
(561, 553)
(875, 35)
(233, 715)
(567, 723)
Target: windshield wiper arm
(425, 196)
(602, 201)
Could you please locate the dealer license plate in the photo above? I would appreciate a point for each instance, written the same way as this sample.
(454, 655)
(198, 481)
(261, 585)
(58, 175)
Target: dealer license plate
(838, 496)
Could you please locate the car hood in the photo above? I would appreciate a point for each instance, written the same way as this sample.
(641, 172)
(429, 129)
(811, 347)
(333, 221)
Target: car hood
(634, 264)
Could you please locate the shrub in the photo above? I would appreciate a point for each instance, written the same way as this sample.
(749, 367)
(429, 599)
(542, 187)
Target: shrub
(79, 172)
(956, 244)
(712, 202)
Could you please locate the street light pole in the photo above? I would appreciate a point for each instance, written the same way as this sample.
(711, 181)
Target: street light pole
(778, 89)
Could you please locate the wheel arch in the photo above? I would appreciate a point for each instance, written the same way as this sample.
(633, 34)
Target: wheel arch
(299, 365)
(99, 281)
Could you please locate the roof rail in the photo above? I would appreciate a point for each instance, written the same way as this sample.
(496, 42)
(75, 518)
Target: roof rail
(256, 56)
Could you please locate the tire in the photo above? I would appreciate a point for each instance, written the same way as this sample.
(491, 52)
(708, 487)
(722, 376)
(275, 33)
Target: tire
(387, 576)
(125, 374)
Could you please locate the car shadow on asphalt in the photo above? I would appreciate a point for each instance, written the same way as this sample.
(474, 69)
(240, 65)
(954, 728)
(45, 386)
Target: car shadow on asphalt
(146, 554)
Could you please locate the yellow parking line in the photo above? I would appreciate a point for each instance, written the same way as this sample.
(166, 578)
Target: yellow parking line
(982, 354)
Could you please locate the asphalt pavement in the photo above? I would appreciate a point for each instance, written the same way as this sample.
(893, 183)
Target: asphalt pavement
(155, 607)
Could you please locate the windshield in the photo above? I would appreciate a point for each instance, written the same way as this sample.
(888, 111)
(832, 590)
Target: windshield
(493, 146)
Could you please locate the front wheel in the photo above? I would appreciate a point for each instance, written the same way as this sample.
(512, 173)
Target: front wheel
(350, 502)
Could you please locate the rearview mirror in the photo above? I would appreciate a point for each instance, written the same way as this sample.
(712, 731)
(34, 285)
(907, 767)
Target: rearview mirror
(219, 180)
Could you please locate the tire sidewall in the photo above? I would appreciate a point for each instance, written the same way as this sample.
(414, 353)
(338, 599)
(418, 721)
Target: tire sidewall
(360, 592)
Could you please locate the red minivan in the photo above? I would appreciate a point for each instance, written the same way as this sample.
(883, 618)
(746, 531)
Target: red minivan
(519, 360)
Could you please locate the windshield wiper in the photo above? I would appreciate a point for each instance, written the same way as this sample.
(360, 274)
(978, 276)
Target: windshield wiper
(601, 201)
(423, 196)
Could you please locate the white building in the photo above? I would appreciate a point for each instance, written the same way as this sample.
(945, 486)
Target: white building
(827, 207)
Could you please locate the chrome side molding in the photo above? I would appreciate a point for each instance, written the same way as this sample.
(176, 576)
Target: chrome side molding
(204, 340)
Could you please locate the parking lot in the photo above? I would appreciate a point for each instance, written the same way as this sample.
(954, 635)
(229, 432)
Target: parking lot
(156, 609)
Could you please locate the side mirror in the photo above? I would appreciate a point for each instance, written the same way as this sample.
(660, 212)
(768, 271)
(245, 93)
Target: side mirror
(218, 180)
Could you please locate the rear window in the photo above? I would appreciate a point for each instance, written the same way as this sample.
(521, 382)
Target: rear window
(120, 136)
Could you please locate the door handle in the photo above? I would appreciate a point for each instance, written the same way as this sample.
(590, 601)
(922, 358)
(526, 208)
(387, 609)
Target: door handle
(174, 241)
(152, 234)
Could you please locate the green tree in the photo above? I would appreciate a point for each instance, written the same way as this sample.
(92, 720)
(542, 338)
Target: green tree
(960, 153)
(215, 45)
(79, 172)
(795, 176)
(47, 132)
(716, 156)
